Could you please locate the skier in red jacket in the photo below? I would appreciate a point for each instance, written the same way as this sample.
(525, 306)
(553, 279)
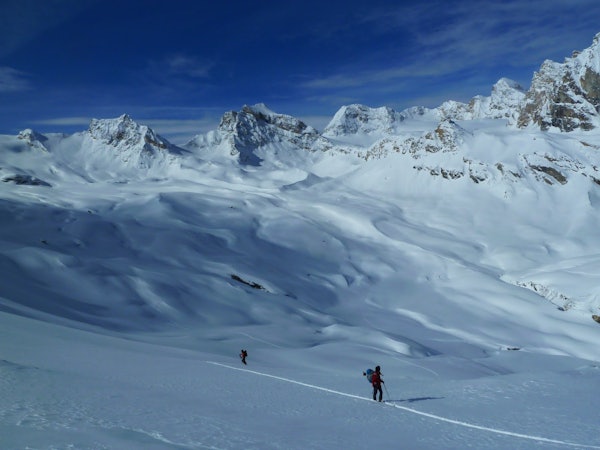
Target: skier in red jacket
(376, 381)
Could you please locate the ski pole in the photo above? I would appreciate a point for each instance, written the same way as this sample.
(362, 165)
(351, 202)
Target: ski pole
(386, 392)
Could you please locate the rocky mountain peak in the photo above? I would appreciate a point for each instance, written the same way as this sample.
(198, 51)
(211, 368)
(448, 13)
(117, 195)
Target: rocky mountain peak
(565, 96)
(259, 116)
(122, 143)
(124, 133)
(254, 127)
(446, 137)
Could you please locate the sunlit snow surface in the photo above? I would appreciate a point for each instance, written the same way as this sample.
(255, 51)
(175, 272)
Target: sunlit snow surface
(121, 323)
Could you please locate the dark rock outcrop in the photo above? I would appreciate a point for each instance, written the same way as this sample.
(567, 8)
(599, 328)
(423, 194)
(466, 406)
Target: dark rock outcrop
(565, 96)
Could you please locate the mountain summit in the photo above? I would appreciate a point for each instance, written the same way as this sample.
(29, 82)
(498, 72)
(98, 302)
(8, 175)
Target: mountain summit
(254, 131)
(562, 96)
(125, 135)
(565, 96)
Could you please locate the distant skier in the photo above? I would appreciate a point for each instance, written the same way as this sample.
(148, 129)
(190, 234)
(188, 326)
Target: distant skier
(376, 381)
(243, 355)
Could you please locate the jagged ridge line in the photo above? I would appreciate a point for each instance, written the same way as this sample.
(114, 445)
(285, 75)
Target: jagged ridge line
(414, 411)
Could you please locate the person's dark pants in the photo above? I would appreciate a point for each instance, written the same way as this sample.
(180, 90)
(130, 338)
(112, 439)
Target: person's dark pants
(377, 388)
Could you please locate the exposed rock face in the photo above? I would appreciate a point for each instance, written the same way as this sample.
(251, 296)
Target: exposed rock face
(562, 96)
(446, 137)
(565, 96)
(122, 139)
(125, 134)
(135, 145)
(255, 127)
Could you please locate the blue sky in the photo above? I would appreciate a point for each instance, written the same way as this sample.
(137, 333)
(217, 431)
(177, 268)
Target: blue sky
(178, 65)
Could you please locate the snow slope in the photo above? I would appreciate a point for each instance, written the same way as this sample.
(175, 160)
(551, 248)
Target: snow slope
(64, 388)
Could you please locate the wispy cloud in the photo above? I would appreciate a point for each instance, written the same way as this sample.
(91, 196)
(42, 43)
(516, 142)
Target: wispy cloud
(352, 77)
(178, 67)
(181, 64)
(65, 121)
(175, 74)
(488, 30)
(12, 80)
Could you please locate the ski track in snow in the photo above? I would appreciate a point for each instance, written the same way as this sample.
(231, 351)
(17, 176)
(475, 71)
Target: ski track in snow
(413, 411)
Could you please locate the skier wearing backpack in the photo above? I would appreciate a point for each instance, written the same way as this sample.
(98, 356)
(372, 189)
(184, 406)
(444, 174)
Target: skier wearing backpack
(376, 381)
(243, 355)
(374, 377)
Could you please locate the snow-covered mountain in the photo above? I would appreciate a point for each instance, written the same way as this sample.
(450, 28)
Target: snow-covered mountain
(129, 139)
(33, 139)
(135, 146)
(450, 246)
(360, 119)
(505, 102)
(255, 132)
(111, 149)
(565, 96)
